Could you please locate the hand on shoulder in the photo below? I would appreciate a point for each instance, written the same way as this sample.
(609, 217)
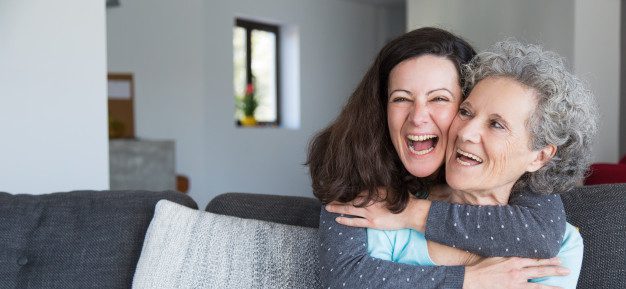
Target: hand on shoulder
(375, 215)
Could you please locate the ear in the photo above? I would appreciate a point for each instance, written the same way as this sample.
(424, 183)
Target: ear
(542, 157)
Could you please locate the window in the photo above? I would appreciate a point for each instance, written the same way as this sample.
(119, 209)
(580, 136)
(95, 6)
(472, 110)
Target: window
(256, 61)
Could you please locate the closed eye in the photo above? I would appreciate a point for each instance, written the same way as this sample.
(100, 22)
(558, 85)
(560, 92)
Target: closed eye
(399, 99)
(440, 98)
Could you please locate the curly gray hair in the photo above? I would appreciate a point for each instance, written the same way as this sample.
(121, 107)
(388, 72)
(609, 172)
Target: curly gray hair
(566, 115)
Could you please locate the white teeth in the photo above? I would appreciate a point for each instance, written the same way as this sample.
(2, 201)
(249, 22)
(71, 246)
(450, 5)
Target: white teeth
(462, 162)
(421, 137)
(471, 156)
(422, 152)
(415, 138)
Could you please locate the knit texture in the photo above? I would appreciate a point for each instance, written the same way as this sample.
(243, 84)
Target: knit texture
(345, 263)
(186, 248)
(598, 212)
(531, 225)
(81, 239)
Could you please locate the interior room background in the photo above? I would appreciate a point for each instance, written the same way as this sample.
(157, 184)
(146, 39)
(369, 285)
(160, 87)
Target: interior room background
(55, 56)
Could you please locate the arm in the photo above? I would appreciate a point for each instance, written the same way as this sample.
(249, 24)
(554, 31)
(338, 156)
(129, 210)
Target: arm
(531, 225)
(344, 263)
(529, 222)
(344, 259)
(571, 256)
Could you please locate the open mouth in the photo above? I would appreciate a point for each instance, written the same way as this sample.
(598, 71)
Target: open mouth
(467, 159)
(422, 144)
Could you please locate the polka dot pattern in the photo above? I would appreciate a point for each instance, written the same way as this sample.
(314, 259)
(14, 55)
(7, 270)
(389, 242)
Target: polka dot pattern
(490, 230)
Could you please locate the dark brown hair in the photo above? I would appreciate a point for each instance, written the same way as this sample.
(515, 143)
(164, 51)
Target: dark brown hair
(355, 153)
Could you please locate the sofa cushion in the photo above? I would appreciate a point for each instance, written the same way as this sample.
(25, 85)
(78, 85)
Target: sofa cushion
(187, 248)
(599, 213)
(81, 239)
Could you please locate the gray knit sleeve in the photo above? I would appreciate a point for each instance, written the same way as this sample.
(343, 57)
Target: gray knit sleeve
(531, 225)
(344, 263)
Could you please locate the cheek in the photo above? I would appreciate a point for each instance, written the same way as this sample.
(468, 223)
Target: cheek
(443, 118)
(506, 157)
(452, 135)
(501, 161)
(395, 120)
(391, 117)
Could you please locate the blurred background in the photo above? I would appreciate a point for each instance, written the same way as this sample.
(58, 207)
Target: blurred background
(177, 71)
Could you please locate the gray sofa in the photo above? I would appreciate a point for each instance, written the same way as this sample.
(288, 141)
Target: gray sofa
(598, 211)
(81, 239)
(91, 239)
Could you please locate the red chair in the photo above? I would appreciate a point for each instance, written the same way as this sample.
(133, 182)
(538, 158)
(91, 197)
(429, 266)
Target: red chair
(604, 173)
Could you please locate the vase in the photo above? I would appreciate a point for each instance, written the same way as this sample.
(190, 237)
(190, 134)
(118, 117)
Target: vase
(248, 121)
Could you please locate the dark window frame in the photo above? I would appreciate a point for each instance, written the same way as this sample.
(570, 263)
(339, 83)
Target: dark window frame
(249, 25)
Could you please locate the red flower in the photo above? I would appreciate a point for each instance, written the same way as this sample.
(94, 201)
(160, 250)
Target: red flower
(249, 89)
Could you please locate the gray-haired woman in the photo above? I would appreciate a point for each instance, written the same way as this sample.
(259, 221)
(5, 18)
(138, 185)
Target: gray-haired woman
(526, 126)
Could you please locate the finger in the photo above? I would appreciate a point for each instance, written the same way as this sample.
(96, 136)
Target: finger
(360, 200)
(335, 207)
(540, 286)
(548, 262)
(529, 262)
(357, 200)
(353, 222)
(337, 203)
(364, 195)
(346, 210)
(545, 271)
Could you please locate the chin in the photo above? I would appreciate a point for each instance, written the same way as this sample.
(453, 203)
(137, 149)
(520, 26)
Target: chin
(453, 178)
(454, 184)
(421, 173)
(422, 170)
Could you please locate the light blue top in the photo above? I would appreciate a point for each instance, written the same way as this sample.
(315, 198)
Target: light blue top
(409, 247)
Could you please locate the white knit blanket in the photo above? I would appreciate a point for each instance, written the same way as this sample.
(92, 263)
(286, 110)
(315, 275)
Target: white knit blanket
(186, 248)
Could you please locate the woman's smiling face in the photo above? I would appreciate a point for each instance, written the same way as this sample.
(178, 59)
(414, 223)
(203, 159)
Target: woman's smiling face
(489, 142)
(423, 97)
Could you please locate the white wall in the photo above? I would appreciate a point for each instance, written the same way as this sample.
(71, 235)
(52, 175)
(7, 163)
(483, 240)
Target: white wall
(181, 55)
(391, 22)
(585, 32)
(597, 60)
(483, 22)
(622, 115)
(53, 96)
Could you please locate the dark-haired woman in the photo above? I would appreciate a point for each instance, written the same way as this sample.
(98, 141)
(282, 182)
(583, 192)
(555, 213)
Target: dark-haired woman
(369, 149)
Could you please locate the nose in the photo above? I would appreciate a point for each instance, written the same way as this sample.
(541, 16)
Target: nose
(469, 131)
(419, 114)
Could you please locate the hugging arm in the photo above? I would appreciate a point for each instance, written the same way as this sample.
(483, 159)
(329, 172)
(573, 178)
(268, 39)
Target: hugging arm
(345, 263)
(531, 226)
